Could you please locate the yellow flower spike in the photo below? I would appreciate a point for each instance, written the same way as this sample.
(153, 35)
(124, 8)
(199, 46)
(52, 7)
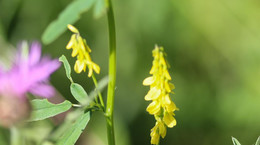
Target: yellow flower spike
(81, 50)
(162, 107)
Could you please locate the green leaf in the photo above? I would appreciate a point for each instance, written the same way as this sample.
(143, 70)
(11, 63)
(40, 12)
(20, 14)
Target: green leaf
(258, 141)
(68, 16)
(72, 134)
(66, 66)
(235, 141)
(79, 93)
(100, 8)
(42, 109)
(70, 118)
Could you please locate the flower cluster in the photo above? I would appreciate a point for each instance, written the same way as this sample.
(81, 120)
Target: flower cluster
(81, 50)
(29, 74)
(162, 107)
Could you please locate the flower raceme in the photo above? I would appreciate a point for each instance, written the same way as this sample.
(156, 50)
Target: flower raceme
(162, 107)
(81, 50)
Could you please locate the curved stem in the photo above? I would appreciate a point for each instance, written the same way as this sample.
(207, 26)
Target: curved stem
(111, 74)
(99, 94)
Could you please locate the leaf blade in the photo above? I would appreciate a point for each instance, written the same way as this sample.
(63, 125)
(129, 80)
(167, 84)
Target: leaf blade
(235, 141)
(67, 67)
(72, 134)
(258, 141)
(43, 109)
(68, 16)
(78, 93)
(100, 8)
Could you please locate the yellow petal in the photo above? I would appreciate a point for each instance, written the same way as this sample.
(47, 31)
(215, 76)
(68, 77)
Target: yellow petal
(71, 42)
(171, 107)
(78, 67)
(96, 68)
(162, 129)
(90, 71)
(166, 100)
(81, 44)
(72, 28)
(167, 87)
(74, 52)
(87, 47)
(169, 120)
(154, 135)
(153, 94)
(167, 75)
(87, 57)
(153, 108)
(148, 81)
(171, 86)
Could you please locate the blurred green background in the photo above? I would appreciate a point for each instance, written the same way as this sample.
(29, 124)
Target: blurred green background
(213, 47)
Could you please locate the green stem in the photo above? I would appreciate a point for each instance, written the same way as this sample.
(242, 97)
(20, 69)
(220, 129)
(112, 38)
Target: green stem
(111, 74)
(16, 138)
(99, 94)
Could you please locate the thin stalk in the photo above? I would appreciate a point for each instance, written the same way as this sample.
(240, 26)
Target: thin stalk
(99, 94)
(111, 74)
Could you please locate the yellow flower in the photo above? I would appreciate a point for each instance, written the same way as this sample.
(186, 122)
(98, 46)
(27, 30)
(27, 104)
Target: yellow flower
(81, 50)
(162, 107)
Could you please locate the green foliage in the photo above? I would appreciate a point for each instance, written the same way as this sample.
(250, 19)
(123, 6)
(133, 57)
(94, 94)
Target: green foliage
(258, 141)
(4, 136)
(70, 118)
(43, 109)
(235, 141)
(72, 134)
(66, 66)
(100, 8)
(68, 16)
(79, 93)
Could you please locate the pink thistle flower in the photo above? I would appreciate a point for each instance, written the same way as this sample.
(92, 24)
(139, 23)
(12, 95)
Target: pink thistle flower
(29, 74)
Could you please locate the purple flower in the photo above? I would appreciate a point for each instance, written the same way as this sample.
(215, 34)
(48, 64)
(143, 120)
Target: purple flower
(29, 74)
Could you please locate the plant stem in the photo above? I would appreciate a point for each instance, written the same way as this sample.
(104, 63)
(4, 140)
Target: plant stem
(99, 94)
(111, 74)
